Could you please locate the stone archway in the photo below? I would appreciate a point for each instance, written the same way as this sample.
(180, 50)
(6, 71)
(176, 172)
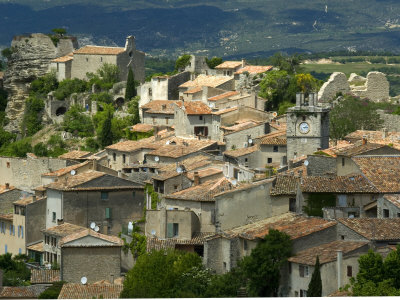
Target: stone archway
(61, 111)
(119, 102)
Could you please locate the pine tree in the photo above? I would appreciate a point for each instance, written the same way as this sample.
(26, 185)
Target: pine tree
(315, 286)
(106, 136)
(130, 91)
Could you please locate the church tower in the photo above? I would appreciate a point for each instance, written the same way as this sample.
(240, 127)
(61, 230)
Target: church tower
(307, 126)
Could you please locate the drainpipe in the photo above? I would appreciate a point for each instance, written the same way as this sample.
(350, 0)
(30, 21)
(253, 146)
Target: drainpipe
(339, 268)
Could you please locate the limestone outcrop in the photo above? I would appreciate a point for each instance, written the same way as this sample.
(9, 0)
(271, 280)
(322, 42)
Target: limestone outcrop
(336, 83)
(30, 59)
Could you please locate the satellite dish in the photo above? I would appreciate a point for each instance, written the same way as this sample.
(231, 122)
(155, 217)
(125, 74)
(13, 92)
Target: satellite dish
(157, 159)
(130, 227)
(92, 225)
(306, 163)
(167, 143)
(211, 105)
(234, 182)
(250, 141)
(179, 170)
(83, 280)
(73, 172)
(274, 114)
(96, 228)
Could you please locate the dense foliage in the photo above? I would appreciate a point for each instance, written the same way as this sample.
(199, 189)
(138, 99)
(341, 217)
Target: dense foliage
(182, 62)
(53, 291)
(32, 120)
(316, 201)
(77, 122)
(130, 91)
(69, 86)
(351, 114)
(15, 271)
(213, 62)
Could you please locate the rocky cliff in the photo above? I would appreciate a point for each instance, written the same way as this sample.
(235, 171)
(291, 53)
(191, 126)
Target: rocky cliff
(30, 59)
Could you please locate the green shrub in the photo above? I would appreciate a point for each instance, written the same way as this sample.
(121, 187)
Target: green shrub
(53, 291)
(182, 62)
(17, 149)
(103, 97)
(40, 150)
(69, 86)
(78, 123)
(44, 85)
(32, 120)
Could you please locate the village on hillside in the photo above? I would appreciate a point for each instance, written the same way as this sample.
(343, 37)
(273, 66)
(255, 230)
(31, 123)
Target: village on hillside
(210, 166)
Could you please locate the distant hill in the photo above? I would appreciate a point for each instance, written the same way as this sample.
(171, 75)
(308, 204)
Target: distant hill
(232, 28)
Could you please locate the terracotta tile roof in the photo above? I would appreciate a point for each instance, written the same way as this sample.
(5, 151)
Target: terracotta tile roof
(154, 243)
(374, 136)
(21, 292)
(223, 96)
(240, 126)
(393, 198)
(4, 189)
(285, 185)
(192, 163)
(6, 217)
(242, 151)
(296, 226)
(274, 138)
(194, 90)
(75, 154)
(326, 252)
(225, 110)
(75, 181)
(90, 291)
(66, 170)
(25, 201)
(166, 107)
(229, 64)
(38, 247)
(44, 276)
(204, 192)
(374, 228)
(340, 294)
(197, 108)
(280, 126)
(64, 229)
(353, 184)
(205, 173)
(140, 127)
(68, 57)
(179, 149)
(335, 148)
(206, 80)
(254, 69)
(381, 171)
(116, 241)
(100, 50)
(354, 149)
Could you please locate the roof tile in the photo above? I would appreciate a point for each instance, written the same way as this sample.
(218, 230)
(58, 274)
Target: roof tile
(374, 228)
(90, 291)
(100, 50)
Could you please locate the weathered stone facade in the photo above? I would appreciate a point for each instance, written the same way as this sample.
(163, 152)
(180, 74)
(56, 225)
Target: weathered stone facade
(337, 83)
(376, 88)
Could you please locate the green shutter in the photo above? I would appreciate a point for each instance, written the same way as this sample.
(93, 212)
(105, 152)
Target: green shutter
(108, 213)
(170, 230)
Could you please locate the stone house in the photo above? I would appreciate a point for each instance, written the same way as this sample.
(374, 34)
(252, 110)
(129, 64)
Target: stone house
(223, 250)
(273, 147)
(92, 255)
(90, 291)
(388, 206)
(228, 68)
(159, 112)
(109, 201)
(21, 227)
(91, 58)
(9, 194)
(248, 157)
(338, 261)
(220, 82)
(241, 133)
(249, 76)
(52, 241)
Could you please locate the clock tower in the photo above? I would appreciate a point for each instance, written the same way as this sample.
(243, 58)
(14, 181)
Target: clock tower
(307, 126)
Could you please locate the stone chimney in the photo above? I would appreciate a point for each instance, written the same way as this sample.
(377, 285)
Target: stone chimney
(384, 133)
(7, 186)
(33, 198)
(339, 268)
(130, 43)
(243, 62)
(94, 165)
(196, 178)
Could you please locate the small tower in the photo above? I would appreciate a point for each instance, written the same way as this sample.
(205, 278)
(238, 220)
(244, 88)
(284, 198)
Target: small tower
(307, 126)
(130, 44)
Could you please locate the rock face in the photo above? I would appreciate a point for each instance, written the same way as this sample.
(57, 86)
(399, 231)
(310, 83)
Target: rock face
(336, 83)
(376, 88)
(30, 59)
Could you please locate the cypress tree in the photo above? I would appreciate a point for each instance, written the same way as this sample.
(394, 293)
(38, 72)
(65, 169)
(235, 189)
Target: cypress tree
(315, 285)
(130, 91)
(106, 135)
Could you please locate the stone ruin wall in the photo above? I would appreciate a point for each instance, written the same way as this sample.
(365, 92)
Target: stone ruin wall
(30, 59)
(375, 87)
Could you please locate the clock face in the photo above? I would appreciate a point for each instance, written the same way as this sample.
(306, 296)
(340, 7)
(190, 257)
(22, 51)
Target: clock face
(304, 127)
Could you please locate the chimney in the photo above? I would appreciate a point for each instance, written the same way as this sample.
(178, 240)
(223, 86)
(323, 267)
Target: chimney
(7, 186)
(364, 140)
(243, 63)
(60, 221)
(33, 198)
(384, 133)
(339, 268)
(196, 178)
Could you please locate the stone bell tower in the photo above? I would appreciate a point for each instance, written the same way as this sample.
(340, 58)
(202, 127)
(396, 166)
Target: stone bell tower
(307, 126)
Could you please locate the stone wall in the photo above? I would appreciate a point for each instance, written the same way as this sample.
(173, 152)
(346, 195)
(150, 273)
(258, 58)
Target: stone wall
(95, 263)
(336, 83)
(376, 88)
(174, 82)
(35, 221)
(390, 122)
(30, 59)
(320, 165)
(347, 234)
(7, 199)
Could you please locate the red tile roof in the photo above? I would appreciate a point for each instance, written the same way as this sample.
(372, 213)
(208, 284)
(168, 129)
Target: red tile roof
(75, 154)
(206, 80)
(194, 90)
(99, 50)
(326, 252)
(223, 96)
(205, 173)
(374, 228)
(90, 291)
(44, 276)
(225, 110)
(68, 57)
(63, 229)
(161, 106)
(197, 108)
(66, 170)
(154, 243)
(76, 180)
(179, 149)
(254, 69)
(355, 149)
(38, 247)
(393, 198)
(229, 64)
(240, 126)
(274, 138)
(140, 127)
(242, 151)
(21, 292)
(6, 217)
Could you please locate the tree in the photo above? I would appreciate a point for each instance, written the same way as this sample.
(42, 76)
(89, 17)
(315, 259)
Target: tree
(391, 267)
(166, 274)
(53, 291)
(40, 150)
(182, 62)
(262, 267)
(226, 285)
(76, 122)
(59, 31)
(290, 64)
(105, 135)
(351, 114)
(32, 120)
(306, 83)
(45, 84)
(213, 62)
(133, 108)
(130, 91)
(315, 285)
(15, 271)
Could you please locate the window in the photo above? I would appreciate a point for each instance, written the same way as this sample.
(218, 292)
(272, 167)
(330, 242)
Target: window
(22, 231)
(175, 187)
(108, 213)
(343, 162)
(11, 230)
(398, 215)
(244, 244)
(200, 118)
(385, 213)
(290, 268)
(292, 204)
(101, 59)
(104, 195)
(114, 156)
(133, 194)
(123, 158)
(303, 270)
(8, 164)
(276, 148)
(269, 160)
(349, 271)
(19, 251)
(5, 248)
(342, 237)
(246, 159)
(172, 230)
(303, 293)
(87, 59)
(54, 217)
